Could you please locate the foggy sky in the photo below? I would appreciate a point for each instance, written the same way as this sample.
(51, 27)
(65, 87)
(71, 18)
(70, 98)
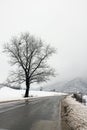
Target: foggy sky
(61, 23)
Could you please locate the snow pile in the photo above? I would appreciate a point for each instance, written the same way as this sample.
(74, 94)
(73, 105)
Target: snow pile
(85, 98)
(75, 114)
(13, 94)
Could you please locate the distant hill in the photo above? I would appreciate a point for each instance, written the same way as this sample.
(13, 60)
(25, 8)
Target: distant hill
(58, 86)
(75, 85)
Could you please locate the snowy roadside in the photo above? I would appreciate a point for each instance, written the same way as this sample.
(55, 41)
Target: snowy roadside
(74, 114)
(9, 94)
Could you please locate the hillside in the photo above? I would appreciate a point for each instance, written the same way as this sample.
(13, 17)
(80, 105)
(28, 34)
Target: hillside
(75, 85)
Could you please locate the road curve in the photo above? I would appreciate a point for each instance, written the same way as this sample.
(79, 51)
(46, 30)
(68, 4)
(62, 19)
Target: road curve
(40, 114)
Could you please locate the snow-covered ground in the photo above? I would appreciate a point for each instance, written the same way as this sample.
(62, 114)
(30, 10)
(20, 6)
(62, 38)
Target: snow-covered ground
(76, 114)
(13, 94)
(85, 97)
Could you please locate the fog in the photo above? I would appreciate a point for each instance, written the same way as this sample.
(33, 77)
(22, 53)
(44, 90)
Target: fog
(61, 23)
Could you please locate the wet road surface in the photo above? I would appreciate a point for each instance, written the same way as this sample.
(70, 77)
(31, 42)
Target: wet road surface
(38, 114)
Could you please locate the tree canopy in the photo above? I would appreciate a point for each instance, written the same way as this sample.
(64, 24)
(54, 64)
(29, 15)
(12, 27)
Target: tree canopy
(30, 55)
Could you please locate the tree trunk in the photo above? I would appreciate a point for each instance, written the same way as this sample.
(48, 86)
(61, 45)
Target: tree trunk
(27, 92)
(27, 88)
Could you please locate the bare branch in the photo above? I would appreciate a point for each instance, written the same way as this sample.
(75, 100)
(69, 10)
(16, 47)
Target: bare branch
(30, 55)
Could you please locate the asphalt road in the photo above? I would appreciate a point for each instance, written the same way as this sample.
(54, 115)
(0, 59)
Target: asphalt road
(38, 114)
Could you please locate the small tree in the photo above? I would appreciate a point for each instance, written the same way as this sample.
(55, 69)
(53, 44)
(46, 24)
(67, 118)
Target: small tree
(30, 55)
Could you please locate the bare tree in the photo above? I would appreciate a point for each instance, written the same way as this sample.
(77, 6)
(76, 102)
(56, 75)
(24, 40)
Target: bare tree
(30, 55)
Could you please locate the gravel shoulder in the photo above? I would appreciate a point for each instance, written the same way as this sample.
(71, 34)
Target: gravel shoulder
(74, 114)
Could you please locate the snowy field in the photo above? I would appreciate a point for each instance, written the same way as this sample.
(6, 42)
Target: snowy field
(13, 94)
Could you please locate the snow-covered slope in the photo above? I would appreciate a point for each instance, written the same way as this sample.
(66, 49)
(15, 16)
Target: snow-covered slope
(7, 93)
(75, 85)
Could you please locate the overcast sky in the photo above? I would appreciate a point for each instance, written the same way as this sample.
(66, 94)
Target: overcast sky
(61, 23)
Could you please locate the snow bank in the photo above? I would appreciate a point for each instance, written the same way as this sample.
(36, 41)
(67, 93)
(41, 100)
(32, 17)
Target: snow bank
(13, 94)
(85, 97)
(75, 114)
